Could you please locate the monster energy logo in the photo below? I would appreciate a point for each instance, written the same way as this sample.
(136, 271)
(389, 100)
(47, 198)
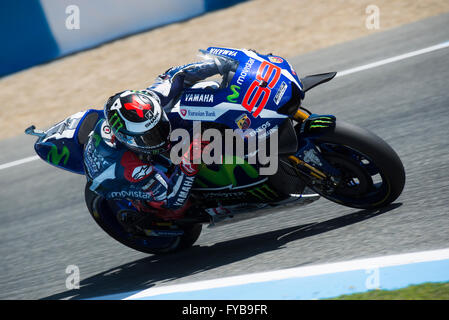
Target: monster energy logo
(323, 122)
(115, 121)
(225, 177)
(263, 192)
(55, 157)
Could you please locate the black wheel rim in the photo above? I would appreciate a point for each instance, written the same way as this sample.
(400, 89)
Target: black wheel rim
(363, 182)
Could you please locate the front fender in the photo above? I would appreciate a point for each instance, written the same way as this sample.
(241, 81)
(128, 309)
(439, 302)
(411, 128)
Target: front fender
(62, 144)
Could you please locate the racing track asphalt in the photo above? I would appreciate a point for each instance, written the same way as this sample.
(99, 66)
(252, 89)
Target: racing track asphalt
(45, 227)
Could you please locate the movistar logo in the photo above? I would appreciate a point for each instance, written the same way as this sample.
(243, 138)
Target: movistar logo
(130, 194)
(55, 157)
(245, 71)
(233, 97)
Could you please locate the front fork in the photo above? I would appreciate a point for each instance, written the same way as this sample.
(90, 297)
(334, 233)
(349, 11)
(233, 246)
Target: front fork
(310, 164)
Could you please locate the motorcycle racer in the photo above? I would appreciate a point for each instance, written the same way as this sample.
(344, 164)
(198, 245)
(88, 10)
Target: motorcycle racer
(124, 156)
(132, 184)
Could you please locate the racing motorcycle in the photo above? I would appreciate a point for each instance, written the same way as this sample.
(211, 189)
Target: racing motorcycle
(348, 165)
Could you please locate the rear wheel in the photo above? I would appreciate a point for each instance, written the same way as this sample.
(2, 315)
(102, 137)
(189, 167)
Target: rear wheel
(105, 216)
(373, 176)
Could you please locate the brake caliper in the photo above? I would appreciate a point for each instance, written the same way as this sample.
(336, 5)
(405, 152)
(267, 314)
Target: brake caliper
(309, 162)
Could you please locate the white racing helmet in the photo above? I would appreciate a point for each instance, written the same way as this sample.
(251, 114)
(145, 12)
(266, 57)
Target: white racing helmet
(138, 121)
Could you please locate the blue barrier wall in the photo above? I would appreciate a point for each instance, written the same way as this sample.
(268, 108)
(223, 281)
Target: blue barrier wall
(37, 31)
(26, 38)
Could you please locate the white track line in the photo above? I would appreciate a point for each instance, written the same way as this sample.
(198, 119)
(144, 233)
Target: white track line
(339, 74)
(329, 268)
(17, 162)
(393, 59)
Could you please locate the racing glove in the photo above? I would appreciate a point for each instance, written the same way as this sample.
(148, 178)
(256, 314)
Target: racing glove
(192, 158)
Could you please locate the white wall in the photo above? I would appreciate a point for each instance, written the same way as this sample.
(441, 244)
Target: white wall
(104, 20)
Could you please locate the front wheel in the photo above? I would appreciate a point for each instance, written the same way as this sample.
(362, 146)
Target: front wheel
(373, 175)
(105, 216)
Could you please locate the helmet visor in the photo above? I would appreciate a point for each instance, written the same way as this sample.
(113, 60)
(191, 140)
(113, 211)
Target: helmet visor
(157, 135)
(157, 138)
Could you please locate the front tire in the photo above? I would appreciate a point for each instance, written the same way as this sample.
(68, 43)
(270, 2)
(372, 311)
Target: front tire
(103, 214)
(373, 173)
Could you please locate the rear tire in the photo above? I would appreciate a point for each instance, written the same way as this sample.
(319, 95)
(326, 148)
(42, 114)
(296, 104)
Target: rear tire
(378, 155)
(104, 216)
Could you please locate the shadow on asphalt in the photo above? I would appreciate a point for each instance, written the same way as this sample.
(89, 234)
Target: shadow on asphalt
(144, 273)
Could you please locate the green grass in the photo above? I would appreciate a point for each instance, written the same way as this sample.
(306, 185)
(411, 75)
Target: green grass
(426, 291)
